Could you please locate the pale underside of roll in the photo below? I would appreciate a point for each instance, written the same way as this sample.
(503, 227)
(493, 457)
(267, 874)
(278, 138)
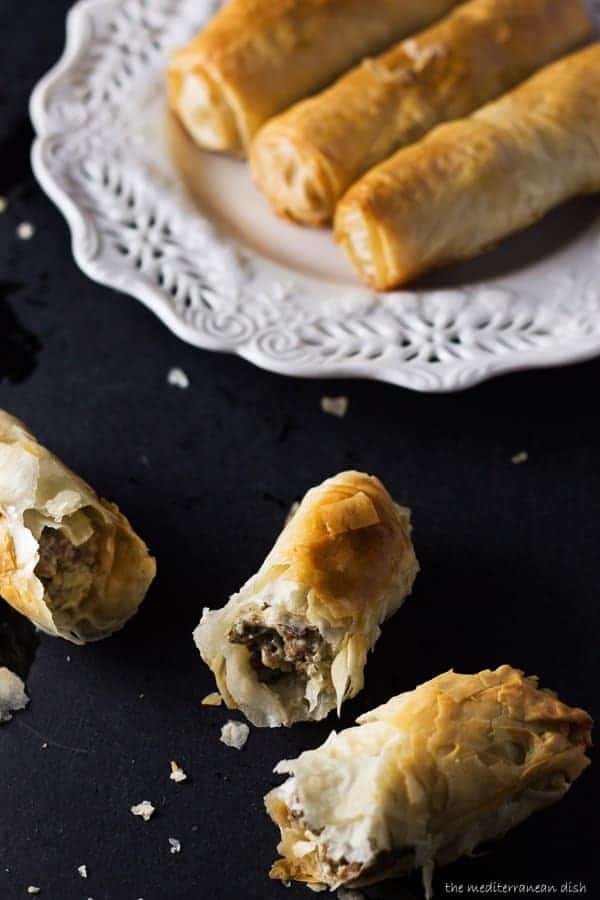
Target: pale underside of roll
(69, 560)
(292, 644)
(256, 57)
(304, 159)
(472, 182)
(426, 778)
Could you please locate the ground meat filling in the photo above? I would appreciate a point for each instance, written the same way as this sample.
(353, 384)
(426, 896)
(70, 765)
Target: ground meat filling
(281, 650)
(327, 867)
(63, 568)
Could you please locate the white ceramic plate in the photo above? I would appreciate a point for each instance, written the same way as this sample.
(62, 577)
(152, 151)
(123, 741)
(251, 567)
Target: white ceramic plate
(187, 234)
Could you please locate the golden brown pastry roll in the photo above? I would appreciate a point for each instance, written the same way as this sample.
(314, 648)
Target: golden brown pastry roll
(69, 561)
(426, 778)
(293, 643)
(471, 182)
(256, 57)
(304, 159)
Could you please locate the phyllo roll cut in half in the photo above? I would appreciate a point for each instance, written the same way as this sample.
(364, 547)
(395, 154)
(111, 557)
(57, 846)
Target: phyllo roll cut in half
(304, 159)
(293, 643)
(69, 560)
(426, 778)
(256, 57)
(469, 183)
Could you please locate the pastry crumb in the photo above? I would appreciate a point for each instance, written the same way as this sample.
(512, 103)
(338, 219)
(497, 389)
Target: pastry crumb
(175, 845)
(335, 406)
(82, 871)
(45, 745)
(177, 773)
(144, 809)
(33, 889)
(422, 56)
(12, 694)
(520, 457)
(25, 231)
(234, 734)
(178, 378)
(213, 699)
(317, 888)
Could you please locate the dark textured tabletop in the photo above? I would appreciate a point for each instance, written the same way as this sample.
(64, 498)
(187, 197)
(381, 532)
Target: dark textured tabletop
(509, 553)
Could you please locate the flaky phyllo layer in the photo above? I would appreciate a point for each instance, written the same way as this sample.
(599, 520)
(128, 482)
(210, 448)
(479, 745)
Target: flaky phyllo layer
(426, 778)
(69, 561)
(293, 643)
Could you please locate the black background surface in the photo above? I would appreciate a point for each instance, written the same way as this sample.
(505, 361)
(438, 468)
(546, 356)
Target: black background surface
(509, 556)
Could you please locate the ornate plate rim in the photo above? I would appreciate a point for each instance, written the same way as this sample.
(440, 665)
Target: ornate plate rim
(82, 233)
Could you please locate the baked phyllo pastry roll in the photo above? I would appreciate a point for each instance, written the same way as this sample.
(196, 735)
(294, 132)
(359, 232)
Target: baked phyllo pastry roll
(471, 182)
(293, 643)
(306, 158)
(69, 561)
(256, 57)
(426, 778)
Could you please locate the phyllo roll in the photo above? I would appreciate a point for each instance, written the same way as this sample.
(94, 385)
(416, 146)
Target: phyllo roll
(293, 643)
(471, 182)
(69, 560)
(304, 159)
(256, 57)
(426, 778)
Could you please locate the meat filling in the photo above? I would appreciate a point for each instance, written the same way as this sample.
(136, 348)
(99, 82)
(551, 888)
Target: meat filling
(63, 568)
(324, 867)
(281, 650)
(383, 864)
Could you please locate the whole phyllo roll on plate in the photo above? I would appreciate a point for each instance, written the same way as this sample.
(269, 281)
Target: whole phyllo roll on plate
(256, 57)
(471, 182)
(426, 778)
(69, 560)
(304, 159)
(293, 643)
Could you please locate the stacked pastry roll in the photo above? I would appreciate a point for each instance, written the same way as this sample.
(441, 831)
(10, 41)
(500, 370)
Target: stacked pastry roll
(371, 151)
(470, 183)
(292, 644)
(69, 560)
(257, 57)
(306, 158)
(426, 778)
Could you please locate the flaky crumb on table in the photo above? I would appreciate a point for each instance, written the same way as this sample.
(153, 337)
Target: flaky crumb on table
(177, 773)
(235, 734)
(213, 699)
(520, 457)
(178, 378)
(12, 694)
(25, 231)
(144, 810)
(335, 406)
